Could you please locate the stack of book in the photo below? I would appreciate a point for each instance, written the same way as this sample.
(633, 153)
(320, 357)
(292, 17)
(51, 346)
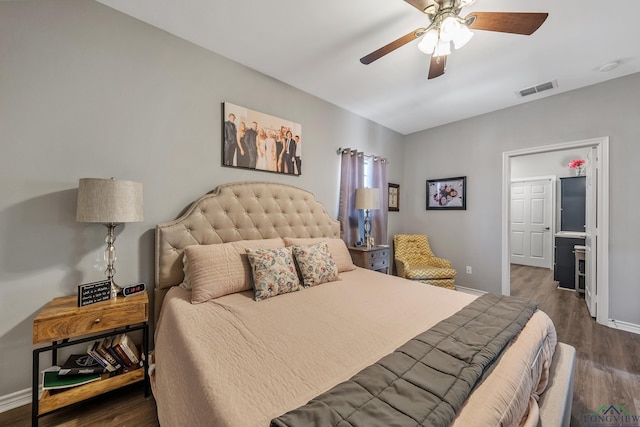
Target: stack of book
(112, 355)
(117, 353)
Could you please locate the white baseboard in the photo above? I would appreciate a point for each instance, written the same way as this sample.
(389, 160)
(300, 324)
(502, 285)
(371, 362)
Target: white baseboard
(14, 400)
(624, 326)
(470, 290)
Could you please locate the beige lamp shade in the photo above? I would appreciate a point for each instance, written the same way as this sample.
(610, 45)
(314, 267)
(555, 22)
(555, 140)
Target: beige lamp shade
(109, 201)
(367, 198)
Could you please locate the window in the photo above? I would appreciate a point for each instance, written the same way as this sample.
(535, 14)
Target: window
(367, 172)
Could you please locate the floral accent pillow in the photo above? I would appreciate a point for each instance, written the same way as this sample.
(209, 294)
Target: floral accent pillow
(337, 248)
(274, 272)
(316, 264)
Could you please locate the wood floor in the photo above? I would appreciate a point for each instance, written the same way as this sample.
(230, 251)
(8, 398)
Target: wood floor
(607, 366)
(607, 360)
(124, 407)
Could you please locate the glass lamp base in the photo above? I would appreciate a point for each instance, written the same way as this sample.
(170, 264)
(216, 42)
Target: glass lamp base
(368, 238)
(115, 290)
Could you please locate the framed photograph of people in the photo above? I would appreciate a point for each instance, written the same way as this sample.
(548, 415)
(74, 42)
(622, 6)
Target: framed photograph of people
(447, 193)
(259, 141)
(394, 197)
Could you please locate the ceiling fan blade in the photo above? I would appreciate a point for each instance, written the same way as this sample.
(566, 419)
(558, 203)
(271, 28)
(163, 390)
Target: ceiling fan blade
(437, 66)
(377, 54)
(525, 23)
(421, 5)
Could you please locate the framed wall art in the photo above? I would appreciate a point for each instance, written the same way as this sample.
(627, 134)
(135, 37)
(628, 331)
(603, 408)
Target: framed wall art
(394, 197)
(255, 140)
(447, 193)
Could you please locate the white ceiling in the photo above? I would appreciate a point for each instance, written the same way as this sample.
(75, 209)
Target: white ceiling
(316, 46)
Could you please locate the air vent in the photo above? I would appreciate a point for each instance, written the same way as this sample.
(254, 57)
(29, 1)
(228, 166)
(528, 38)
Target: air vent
(537, 88)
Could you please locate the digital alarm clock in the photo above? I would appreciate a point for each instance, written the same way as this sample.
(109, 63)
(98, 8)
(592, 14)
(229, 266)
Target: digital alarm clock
(133, 289)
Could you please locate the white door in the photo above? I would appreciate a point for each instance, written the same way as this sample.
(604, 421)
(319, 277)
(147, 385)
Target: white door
(531, 220)
(591, 229)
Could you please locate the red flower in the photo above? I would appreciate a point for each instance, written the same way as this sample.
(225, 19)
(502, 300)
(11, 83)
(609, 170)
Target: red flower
(576, 163)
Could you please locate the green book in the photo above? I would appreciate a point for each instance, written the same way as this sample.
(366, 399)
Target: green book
(52, 381)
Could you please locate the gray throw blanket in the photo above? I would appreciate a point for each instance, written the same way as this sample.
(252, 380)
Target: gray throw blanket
(425, 381)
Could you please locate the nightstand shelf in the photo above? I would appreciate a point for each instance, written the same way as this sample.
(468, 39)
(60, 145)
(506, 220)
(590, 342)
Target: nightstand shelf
(51, 401)
(374, 258)
(64, 324)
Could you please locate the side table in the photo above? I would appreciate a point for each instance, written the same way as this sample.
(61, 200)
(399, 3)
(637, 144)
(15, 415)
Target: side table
(62, 323)
(374, 258)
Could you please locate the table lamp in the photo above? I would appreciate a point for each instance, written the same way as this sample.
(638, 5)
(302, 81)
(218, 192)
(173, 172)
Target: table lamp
(367, 199)
(110, 202)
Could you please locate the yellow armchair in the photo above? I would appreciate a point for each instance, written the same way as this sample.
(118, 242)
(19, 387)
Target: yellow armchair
(415, 261)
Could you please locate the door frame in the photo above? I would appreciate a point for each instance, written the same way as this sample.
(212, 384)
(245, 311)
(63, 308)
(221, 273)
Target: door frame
(553, 181)
(602, 255)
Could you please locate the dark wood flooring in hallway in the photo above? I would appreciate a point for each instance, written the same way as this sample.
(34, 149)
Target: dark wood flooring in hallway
(608, 360)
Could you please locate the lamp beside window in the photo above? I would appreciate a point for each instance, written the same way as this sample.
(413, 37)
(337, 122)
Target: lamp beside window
(110, 202)
(367, 199)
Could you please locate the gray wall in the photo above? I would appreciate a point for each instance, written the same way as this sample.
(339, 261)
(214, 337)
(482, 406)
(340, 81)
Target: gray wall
(86, 91)
(474, 148)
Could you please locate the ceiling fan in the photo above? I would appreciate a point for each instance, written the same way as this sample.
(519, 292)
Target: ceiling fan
(448, 27)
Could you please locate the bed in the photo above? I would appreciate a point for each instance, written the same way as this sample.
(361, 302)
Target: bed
(224, 359)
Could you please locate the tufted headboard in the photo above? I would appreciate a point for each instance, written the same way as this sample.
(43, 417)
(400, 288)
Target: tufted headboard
(238, 211)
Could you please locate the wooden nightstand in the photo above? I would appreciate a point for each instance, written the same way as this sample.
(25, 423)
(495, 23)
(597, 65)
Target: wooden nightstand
(62, 323)
(375, 258)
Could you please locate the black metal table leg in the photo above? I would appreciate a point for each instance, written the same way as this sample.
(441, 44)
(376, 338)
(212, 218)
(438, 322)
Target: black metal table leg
(145, 348)
(34, 387)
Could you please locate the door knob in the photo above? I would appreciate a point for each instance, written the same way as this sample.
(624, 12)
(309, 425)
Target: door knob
(547, 228)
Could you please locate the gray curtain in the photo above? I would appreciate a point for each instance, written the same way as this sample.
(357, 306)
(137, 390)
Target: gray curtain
(380, 216)
(351, 177)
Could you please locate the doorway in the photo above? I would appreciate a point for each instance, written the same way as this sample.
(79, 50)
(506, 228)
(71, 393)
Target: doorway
(598, 207)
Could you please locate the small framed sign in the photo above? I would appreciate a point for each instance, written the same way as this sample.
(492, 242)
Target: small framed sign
(90, 293)
(394, 197)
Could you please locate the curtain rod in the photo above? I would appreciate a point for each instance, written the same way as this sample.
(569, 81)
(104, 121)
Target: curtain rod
(341, 150)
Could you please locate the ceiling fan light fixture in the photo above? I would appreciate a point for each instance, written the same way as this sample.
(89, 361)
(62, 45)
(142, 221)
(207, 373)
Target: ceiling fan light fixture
(429, 41)
(449, 28)
(465, 3)
(443, 48)
(462, 37)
